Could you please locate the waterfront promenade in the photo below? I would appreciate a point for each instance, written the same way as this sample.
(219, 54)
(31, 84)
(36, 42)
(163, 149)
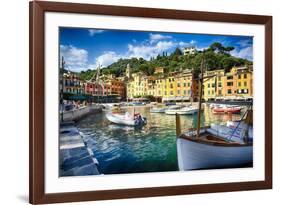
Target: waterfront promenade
(76, 158)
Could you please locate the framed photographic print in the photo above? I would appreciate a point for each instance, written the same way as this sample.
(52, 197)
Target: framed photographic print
(138, 102)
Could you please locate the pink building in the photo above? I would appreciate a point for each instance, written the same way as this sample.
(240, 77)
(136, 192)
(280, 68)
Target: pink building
(97, 89)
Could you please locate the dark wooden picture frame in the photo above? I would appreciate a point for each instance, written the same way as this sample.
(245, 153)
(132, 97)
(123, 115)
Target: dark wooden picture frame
(37, 193)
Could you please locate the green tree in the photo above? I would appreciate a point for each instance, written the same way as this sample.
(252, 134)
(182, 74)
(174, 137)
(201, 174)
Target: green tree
(228, 63)
(216, 47)
(177, 52)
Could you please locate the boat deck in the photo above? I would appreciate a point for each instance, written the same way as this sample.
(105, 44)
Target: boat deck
(208, 138)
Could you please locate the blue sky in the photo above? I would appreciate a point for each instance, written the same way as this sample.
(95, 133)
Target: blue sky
(85, 49)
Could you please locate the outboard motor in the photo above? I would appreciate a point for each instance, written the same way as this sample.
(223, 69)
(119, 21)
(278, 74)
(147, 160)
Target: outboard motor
(144, 120)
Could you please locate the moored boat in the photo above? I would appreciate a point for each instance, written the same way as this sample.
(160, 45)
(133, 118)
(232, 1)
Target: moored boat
(190, 110)
(158, 109)
(185, 111)
(172, 110)
(211, 151)
(126, 119)
(227, 109)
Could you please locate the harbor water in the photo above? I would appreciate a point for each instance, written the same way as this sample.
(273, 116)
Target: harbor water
(151, 148)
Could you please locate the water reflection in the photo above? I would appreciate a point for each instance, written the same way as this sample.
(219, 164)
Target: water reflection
(125, 149)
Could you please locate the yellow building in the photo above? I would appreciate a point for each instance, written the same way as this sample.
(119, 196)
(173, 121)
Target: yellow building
(130, 89)
(179, 86)
(184, 84)
(137, 86)
(170, 88)
(244, 82)
(160, 84)
(176, 86)
(151, 85)
(213, 84)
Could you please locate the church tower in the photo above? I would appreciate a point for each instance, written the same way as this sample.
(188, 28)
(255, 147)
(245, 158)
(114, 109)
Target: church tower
(128, 71)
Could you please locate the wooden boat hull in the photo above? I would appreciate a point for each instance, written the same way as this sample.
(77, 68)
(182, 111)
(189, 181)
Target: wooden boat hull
(194, 155)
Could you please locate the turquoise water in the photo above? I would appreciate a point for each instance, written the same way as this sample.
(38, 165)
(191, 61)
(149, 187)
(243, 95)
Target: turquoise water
(152, 148)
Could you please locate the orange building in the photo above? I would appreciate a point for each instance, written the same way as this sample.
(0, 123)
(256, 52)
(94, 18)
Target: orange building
(184, 81)
(238, 83)
(116, 87)
(230, 83)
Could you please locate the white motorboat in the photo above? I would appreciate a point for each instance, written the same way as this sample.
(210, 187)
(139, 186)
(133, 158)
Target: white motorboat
(158, 109)
(188, 110)
(172, 110)
(215, 146)
(126, 119)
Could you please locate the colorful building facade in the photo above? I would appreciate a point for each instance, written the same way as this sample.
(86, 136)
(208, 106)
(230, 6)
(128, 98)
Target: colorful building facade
(116, 87)
(244, 82)
(213, 84)
(71, 84)
(237, 83)
(97, 89)
(184, 86)
(176, 86)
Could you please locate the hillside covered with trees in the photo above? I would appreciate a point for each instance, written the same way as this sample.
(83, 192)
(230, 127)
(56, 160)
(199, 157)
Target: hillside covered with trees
(216, 56)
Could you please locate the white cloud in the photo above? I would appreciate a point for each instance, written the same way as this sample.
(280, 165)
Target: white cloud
(158, 37)
(107, 58)
(76, 59)
(184, 44)
(147, 51)
(193, 42)
(93, 32)
(244, 49)
(246, 52)
(187, 44)
(245, 43)
(137, 51)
